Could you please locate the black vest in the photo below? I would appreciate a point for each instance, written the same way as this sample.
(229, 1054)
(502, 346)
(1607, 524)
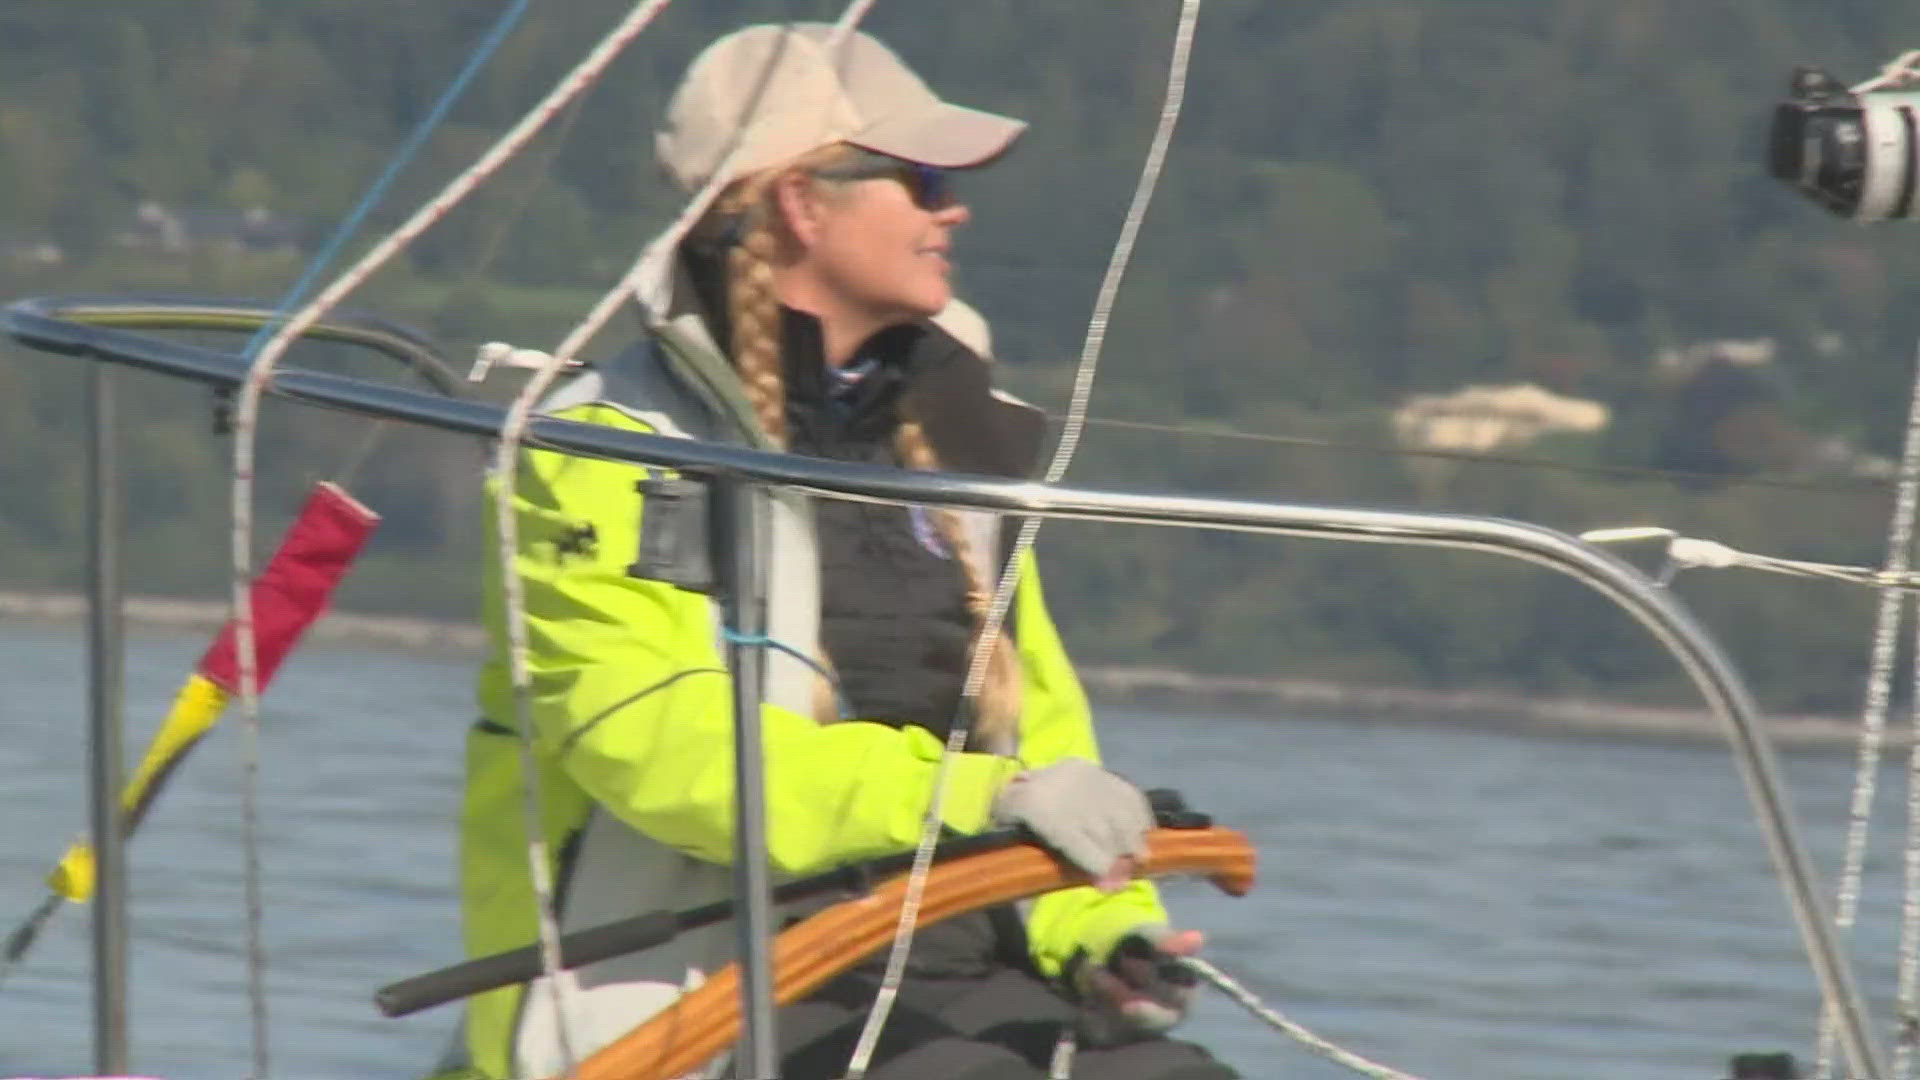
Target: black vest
(893, 600)
(893, 613)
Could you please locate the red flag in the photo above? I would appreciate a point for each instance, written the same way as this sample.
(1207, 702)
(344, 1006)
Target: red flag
(293, 590)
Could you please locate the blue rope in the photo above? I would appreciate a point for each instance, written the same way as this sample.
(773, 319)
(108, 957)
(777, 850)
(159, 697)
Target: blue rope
(762, 641)
(401, 158)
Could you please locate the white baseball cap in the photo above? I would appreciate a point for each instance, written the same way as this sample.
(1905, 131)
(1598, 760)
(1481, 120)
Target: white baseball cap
(784, 94)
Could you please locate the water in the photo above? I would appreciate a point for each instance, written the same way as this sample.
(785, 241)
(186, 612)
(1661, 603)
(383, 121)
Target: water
(1458, 903)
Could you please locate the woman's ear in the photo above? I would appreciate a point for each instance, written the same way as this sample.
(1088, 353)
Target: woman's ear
(797, 200)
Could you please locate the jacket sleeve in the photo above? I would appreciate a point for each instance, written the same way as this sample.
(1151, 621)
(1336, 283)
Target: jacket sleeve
(1056, 723)
(631, 695)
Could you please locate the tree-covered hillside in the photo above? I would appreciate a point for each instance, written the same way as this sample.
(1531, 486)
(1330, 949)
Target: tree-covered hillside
(1367, 200)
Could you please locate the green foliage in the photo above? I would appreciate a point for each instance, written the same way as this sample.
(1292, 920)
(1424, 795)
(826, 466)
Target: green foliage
(1367, 199)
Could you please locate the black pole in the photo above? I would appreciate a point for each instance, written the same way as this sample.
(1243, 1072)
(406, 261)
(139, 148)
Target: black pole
(104, 755)
(738, 516)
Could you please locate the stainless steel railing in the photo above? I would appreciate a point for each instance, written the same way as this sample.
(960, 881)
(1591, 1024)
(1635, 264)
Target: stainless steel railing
(48, 325)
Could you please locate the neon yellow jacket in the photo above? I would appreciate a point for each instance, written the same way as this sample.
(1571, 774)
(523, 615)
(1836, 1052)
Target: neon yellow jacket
(631, 711)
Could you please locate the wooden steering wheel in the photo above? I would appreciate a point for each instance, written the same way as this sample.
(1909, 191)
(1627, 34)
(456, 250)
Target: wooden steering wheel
(705, 1021)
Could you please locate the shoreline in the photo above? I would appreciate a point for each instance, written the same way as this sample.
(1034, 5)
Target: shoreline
(422, 635)
(1493, 710)
(1134, 686)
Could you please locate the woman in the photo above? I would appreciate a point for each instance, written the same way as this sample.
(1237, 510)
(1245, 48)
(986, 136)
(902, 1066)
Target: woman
(798, 317)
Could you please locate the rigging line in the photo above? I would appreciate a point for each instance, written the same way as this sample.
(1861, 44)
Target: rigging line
(1247, 1000)
(489, 253)
(1901, 69)
(826, 675)
(1905, 1007)
(260, 371)
(655, 259)
(849, 19)
(1906, 1010)
(1060, 1065)
(1688, 552)
(244, 433)
(395, 165)
(652, 261)
(1873, 720)
(1009, 577)
(540, 175)
(1862, 485)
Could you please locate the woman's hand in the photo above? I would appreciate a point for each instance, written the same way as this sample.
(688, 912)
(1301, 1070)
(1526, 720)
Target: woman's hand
(1092, 818)
(1140, 990)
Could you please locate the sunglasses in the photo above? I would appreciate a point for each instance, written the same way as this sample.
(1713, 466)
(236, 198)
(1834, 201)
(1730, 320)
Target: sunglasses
(930, 188)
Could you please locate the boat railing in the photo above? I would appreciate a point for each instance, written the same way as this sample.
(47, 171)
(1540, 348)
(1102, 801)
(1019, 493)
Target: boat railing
(77, 328)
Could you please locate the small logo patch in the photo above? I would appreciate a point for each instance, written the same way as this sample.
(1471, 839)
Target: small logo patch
(580, 540)
(928, 533)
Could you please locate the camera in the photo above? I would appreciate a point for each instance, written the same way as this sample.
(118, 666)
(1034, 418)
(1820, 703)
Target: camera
(1853, 150)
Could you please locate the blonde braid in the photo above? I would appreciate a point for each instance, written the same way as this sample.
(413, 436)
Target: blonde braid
(997, 722)
(754, 310)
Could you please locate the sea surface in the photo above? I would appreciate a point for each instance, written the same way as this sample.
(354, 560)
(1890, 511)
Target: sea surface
(1455, 902)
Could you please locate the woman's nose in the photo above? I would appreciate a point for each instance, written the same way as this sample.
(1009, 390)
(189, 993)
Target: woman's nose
(953, 216)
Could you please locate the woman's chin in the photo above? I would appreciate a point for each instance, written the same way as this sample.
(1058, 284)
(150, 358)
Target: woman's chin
(921, 303)
(933, 301)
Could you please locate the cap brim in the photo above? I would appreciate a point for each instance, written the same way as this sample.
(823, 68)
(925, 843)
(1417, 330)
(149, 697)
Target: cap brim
(944, 136)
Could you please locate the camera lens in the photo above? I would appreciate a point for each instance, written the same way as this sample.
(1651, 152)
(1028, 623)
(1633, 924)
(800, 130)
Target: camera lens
(1838, 173)
(1821, 150)
(1855, 151)
(1858, 155)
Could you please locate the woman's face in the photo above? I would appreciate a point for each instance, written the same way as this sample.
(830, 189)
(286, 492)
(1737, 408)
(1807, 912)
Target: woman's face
(879, 245)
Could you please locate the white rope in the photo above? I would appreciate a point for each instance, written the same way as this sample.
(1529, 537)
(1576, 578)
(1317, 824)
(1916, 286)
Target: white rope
(654, 266)
(246, 420)
(1900, 71)
(1627, 533)
(1227, 985)
(1029, 528)
(1906, 1008)
(1060, 1063)
(1873, 719)
(848, 21)
(1694, 553)
(1687, 551)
